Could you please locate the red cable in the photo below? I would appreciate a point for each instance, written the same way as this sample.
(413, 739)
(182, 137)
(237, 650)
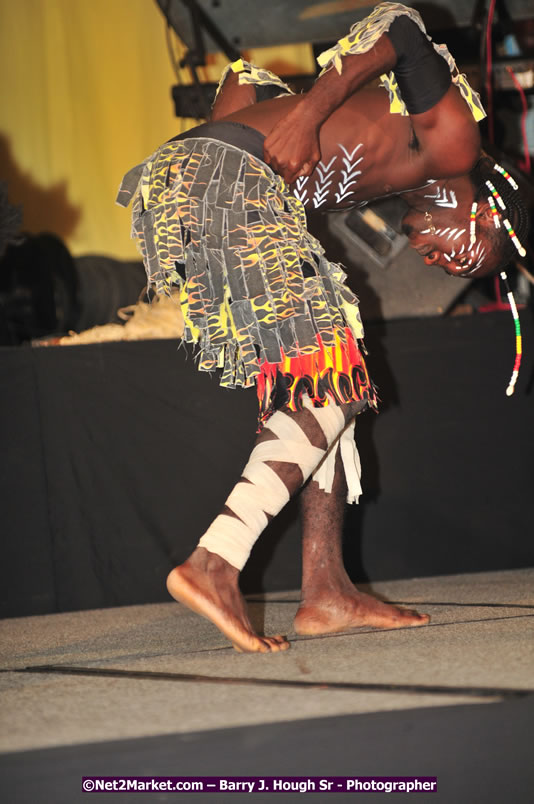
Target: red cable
(526, 164)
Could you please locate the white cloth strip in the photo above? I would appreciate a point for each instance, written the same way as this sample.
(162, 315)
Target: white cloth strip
(305, 457)
(246, 501)
(325, 472)
(276, 493)
(330, 418)
(282, 425)
(266, 493)
(230, 539)
(293, 445)
(351, 463)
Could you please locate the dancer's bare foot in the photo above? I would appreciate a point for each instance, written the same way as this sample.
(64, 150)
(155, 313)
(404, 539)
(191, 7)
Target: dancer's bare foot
(340, 611)
(208, 585)
(330, 601)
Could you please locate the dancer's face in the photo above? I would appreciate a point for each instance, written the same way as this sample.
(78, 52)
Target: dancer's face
(449, 247)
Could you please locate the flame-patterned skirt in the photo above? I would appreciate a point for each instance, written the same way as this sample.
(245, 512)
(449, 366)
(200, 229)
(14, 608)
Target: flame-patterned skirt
(259, 299)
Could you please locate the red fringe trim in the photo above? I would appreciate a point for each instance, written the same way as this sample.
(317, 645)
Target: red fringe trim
(331, 374)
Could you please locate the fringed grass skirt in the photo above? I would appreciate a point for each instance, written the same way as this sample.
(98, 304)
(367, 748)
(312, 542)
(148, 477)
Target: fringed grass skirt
(259, 299)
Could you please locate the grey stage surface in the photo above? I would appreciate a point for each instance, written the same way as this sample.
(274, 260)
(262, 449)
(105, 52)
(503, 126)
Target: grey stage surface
(112, 690)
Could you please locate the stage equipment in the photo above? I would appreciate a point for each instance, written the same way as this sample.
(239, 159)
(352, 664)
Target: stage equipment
(45, 291)
(244, 24)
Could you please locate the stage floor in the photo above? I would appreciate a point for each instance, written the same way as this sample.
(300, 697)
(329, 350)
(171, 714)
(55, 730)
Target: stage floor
(106, 684)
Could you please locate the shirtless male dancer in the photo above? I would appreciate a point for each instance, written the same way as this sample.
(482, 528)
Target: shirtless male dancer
(262, 302)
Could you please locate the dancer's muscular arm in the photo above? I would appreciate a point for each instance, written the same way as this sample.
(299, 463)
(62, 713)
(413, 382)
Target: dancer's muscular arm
(292, 148)
(447, 134)
(232, 96)
(243, 84)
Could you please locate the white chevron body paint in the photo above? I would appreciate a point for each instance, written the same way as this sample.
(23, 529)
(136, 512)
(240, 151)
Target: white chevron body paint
(323, 182)
(349, 174)
(300, 190)
(323, 179)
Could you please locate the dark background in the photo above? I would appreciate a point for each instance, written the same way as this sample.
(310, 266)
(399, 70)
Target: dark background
(117, 456)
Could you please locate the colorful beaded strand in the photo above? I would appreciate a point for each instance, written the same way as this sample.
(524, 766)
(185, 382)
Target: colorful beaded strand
(473, 224)
(506, 175)
(495, 194)
(522, 253)
(515, 240)
(496, 219)
(518, 339)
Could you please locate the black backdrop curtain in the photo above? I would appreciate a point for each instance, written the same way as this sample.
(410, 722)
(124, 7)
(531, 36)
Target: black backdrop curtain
(117, 456)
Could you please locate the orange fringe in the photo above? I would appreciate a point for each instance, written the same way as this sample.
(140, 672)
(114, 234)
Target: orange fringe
(331, 374)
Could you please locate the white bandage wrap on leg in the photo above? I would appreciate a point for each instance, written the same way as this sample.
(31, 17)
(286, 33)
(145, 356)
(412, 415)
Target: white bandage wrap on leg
(292, 446)
(266, 493)
(330, 419)
(351, 463)
(332, 422)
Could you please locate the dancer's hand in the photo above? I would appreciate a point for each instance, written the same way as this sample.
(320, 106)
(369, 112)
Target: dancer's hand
(292, 148)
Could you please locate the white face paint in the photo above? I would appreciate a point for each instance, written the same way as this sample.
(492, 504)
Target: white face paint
(443, 197)
(472, 260)
(468, 259)
(478, 257)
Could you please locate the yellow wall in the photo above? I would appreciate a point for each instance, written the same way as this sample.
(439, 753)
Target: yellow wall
(85, 95)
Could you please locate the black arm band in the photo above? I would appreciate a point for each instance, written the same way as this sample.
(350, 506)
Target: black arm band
(422, 74)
